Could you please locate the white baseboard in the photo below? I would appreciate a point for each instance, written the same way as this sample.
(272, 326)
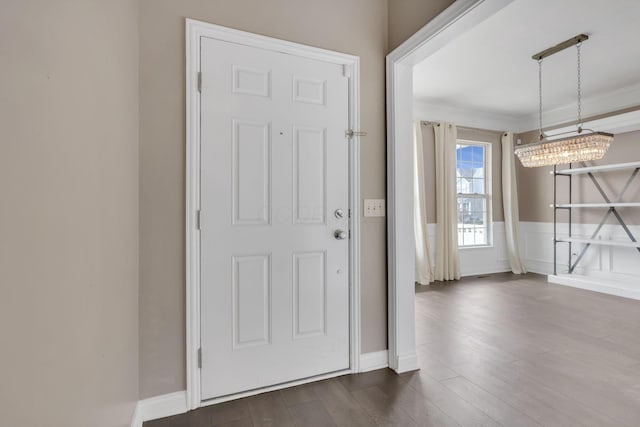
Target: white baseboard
(374, 360)
(176, 403)
(607, 269)
(618, 288)
(407, 363)
(136, 419)
(162, 406)
(171, 404)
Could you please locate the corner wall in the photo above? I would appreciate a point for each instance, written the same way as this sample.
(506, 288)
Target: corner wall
(408, 16)
(68, 212)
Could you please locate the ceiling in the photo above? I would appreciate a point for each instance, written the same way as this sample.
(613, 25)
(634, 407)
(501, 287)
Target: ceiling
(486, 76)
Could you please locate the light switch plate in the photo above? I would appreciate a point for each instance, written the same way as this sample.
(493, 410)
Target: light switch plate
(374, 207)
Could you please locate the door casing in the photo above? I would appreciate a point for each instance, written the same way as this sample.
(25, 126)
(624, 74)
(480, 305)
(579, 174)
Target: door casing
(195, 30)
(441, 30)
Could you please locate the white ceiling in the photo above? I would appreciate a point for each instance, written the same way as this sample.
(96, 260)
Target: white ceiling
(486, 76)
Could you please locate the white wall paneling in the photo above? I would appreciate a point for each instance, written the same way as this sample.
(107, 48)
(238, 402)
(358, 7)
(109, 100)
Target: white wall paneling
(607, 269)
(478, 260)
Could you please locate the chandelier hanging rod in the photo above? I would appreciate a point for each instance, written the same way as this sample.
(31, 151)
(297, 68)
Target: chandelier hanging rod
(560, 46)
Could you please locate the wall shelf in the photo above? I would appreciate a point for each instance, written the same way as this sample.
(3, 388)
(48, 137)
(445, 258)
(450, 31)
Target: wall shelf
(597, 205)
(599, 242)
(609, 204)
(602, 168)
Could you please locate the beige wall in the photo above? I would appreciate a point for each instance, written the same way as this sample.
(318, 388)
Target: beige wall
(408, 16)
(492, 137)
(68, 212)
(535, 185)
(357, 27)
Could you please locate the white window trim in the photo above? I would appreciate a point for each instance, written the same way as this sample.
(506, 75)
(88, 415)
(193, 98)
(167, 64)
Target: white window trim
(488, 186)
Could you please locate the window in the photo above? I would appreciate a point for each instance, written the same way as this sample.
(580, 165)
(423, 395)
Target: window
(473, 183)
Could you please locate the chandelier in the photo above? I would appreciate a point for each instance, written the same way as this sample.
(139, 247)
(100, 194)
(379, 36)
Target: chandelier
(583, 145)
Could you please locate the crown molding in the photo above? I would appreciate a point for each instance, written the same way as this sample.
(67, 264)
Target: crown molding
(620, 99)
(616, 100)
(466, 116)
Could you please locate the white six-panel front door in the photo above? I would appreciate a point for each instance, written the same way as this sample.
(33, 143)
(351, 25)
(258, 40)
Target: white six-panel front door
(274, 172)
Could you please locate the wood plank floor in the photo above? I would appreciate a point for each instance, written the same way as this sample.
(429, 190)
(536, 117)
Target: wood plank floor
(500, 350)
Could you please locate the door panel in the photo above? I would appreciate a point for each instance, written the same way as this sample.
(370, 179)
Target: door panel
(251, 172)
(309, 294)
(309, 175)
(274, 168)
(251, 314)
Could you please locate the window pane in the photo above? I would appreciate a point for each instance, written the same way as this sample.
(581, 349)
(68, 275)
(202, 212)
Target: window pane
(478, 186)
(471, 179)
(465, 168)
(478, 154)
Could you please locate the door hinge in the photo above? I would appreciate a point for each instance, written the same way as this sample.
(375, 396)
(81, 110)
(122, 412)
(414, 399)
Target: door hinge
(351, 133)
(198, 219)
(200, 81)
(346, 70)
(349, 233)
(349, 213)
(200, 358)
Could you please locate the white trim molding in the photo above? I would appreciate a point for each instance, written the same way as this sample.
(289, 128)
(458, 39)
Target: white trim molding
(603, 104)
(454, 21)
(167, 405)
(374, 360)
(478, 260)
(468, 117)
(607, 269)
(136, 419)
(195, 30)
(161, 406)
(176, 403)
(612, 287)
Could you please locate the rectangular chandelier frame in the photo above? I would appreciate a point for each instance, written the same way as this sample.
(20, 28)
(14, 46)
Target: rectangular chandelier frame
(560, 46)
(577, 148)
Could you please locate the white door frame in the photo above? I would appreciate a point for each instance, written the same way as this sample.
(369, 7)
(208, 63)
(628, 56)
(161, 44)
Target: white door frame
(194, 31)
(454, 21)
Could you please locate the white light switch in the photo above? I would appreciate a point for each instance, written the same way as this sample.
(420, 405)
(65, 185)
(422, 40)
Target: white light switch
(374, 207)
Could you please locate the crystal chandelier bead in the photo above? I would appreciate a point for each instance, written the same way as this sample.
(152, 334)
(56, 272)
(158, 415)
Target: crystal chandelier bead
(580, 148)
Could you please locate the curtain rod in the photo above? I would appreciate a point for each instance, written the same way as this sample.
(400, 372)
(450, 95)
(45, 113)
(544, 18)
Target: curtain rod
(428, 122)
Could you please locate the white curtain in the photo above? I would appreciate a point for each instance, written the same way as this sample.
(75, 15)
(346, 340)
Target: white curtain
(447, 266)
(510, 204)
(424, 272)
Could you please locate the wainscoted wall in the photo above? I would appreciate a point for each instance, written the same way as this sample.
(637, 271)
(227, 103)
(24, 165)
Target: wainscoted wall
(475, 261)
(612, 269)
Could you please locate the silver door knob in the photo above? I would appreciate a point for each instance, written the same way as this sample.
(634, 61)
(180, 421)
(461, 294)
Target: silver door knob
(340, 234)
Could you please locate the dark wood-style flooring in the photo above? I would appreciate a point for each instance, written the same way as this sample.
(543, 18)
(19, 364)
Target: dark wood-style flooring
(500, 350)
